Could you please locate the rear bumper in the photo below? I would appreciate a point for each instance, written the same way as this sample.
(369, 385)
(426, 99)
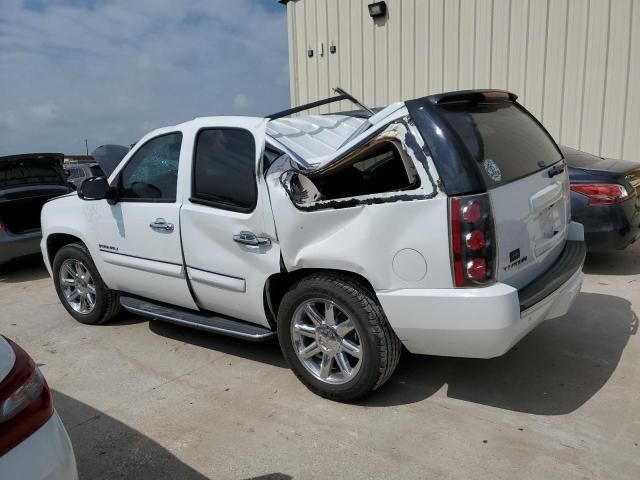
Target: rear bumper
(481, 322)
(15, 246)
(608, 227)
(46, 454)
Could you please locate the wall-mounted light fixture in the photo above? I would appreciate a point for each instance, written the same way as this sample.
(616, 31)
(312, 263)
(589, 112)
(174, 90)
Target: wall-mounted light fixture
(378, 9)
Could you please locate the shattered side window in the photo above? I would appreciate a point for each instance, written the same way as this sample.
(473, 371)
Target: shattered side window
(378, 169)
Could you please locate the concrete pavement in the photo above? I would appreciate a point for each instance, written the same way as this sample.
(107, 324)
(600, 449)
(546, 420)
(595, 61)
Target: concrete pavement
(149, 400)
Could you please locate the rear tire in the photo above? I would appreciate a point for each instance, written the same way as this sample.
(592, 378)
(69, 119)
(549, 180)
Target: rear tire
(80, 287)
(336, 338)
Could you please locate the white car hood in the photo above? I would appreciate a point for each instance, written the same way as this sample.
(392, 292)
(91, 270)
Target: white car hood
(7, 358)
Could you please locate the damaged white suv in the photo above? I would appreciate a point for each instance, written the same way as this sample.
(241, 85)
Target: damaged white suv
(441, 224)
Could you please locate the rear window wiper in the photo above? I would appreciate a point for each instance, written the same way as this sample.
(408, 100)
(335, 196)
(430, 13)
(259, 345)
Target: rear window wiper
(557, 170)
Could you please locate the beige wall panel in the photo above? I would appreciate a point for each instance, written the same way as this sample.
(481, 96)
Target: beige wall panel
(394, 72)
(483, 35)
(631, 141)
(535, 57)
(421, 53)
(517, 60)
(554, 66)
(574, 63)
(617, 76)
(451, 44)
(407, 50)
(595, 75)
(500, 43)
(435, 49)
(466, 60)
(368, 95)
(574, 73)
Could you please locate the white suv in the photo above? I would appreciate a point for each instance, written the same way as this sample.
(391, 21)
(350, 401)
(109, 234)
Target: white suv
(441, 224)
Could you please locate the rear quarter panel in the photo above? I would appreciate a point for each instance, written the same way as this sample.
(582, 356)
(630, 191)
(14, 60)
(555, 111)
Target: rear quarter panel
(400, 244)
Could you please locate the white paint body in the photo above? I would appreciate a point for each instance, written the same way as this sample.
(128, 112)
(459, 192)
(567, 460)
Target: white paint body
(47, 453)
(401, 247)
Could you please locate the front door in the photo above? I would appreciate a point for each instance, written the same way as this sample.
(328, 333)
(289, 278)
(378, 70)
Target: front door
(139, 235)
(229, 239)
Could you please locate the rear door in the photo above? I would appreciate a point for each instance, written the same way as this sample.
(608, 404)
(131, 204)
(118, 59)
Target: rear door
(230, 246)
(527, 180)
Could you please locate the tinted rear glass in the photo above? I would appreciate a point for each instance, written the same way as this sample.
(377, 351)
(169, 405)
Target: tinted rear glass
(224, 169)
(506, 142)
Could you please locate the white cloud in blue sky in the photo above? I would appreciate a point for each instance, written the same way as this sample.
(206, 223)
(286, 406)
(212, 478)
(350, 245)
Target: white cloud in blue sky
(111, 70)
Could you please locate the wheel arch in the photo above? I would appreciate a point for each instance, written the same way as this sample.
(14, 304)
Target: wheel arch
(56, 241)
(279, 283)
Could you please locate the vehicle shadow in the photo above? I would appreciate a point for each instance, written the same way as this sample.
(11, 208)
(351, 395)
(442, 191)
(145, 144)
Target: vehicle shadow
(615, 262)
(25, 269)
(267, 352)
(106, 448)
(553, 371)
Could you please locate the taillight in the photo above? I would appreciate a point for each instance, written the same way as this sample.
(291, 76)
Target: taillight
(472, 240)
(25, 401)
(601, 193)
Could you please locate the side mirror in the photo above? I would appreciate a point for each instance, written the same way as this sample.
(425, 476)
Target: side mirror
(94, 188)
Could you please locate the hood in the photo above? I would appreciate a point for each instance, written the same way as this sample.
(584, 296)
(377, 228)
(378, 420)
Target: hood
(32, 169)
(109, 156)
(586, 161)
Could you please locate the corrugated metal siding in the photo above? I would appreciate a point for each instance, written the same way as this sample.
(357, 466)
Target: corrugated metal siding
(574, 63)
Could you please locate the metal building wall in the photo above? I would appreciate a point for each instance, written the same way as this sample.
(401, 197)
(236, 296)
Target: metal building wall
(574, 63)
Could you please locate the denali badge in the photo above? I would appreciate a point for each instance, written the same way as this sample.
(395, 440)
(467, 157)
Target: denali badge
(492, 170)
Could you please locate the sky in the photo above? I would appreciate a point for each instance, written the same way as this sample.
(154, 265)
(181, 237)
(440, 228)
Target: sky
(112, 70)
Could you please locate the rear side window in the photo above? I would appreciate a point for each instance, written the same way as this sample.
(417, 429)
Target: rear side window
(224, 169)
(505, 140)
(378, 169)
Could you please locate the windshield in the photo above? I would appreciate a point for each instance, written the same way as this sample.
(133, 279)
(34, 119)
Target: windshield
(30, 171)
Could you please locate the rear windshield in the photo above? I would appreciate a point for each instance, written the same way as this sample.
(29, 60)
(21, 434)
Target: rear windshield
(505, 140)
(29, 172)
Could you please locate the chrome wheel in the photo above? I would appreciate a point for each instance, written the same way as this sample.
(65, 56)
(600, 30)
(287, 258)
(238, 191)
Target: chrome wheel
(77, 286)
(326, 341)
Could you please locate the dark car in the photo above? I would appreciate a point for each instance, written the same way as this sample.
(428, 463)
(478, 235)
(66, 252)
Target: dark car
(26, 182)
(109, 156)
(605, 198)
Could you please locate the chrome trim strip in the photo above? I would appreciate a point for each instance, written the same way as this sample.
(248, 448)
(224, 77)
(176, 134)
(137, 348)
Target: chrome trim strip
(217, 280)
(143, 264)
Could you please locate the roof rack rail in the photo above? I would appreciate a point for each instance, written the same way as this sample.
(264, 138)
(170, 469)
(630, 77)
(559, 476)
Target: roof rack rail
(342, 95)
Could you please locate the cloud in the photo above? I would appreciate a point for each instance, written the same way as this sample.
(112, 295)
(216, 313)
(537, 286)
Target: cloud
(241, 101)
(110, 70)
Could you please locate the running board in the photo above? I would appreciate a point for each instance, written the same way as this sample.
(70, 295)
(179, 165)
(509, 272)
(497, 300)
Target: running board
(207, 321)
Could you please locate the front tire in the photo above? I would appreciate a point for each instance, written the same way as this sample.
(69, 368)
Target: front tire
(80, 287)
(336, 338)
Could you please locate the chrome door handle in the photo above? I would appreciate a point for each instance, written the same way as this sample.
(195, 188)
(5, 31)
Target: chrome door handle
(251, 239)
(161, 225)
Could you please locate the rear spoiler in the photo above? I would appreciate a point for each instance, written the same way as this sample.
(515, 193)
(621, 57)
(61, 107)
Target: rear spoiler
(473, 96)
